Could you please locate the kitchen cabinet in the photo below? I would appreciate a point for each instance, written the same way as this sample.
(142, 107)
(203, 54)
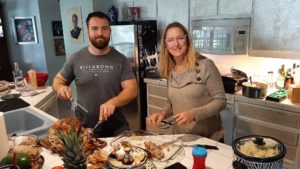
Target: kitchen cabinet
(260, 119)
(169, 11)
(227, 116)
(234, 7)
(203, 8)
(156, 99)
(274, 27)
(220, 8)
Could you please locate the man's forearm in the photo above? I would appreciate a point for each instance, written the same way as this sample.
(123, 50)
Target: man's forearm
(128, 93)
(58, 82)
(125, 97)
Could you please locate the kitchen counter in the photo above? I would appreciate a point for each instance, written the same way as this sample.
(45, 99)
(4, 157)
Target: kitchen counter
(283, 105)
(45, 94)
(44, 99)
(216, 159)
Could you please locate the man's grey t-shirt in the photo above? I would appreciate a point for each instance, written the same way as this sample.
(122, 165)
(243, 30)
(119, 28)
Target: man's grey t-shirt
(98, 79)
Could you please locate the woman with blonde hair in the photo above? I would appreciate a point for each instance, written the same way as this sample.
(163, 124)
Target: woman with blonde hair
(195, 89)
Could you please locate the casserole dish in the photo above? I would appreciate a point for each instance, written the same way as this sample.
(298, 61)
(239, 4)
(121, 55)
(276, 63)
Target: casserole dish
(256, 152)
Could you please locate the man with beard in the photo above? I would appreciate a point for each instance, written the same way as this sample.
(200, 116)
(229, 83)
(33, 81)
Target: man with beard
(104, 80)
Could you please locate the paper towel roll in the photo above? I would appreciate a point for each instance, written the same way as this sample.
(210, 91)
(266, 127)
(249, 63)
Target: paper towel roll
(3, 137)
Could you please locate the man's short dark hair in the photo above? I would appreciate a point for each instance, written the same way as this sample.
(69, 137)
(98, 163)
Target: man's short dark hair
(98, 14)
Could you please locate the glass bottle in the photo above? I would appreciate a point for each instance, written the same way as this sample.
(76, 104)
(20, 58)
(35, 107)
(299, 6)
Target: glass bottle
(18, 78)
(270, 79)
(282, 71)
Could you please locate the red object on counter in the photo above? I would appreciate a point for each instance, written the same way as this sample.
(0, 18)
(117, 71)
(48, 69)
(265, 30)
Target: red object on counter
(199, 155)
(41, 79)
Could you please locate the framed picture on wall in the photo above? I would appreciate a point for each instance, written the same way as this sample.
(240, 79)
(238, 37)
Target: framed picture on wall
(25, 30)
(59, 46)
(57, 28)
(75, 25)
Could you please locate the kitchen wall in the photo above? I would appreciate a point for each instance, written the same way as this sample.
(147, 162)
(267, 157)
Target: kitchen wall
(40, 56)
(86, 6)
(29, 55)
(257, 67)
(185, 11)
(50, 11)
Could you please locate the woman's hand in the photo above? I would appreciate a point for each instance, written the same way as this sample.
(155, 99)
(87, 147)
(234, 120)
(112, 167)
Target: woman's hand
(184, 117)
(64, 92)
(154, 119)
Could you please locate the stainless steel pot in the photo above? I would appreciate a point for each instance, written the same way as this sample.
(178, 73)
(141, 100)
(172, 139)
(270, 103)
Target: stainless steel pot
(256, 152)
(254, 89)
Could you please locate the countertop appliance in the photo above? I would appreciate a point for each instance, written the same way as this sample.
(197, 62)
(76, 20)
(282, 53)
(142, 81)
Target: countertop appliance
(232, 81)
(134, 40)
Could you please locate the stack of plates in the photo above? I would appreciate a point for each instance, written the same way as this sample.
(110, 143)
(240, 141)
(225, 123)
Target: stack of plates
(4, 88)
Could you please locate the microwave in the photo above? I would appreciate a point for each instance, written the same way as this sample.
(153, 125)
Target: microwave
(221, 36)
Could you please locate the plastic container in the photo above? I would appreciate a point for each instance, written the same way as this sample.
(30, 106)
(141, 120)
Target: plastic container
(199, 155)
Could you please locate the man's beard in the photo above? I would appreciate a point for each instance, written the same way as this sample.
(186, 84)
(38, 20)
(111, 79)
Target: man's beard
(99, 44)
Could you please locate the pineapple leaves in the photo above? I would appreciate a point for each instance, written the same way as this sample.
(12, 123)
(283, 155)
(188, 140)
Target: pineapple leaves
(73, 155)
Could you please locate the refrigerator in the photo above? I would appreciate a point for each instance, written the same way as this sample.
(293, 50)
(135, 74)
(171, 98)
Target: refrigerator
(136, 41)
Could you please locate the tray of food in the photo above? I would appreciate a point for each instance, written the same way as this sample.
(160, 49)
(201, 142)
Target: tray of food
(53, 143)
(158, 147)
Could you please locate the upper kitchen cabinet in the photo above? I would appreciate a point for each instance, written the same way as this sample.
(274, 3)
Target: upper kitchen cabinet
(235, 7)
(203, 8)
(220, 8)
(275, 29)
(169, 11)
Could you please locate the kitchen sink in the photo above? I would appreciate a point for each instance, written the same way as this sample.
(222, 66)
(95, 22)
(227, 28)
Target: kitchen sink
(26, 121)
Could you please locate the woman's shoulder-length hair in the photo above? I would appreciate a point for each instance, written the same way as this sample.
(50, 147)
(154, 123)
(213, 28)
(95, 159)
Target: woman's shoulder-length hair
(166, 60)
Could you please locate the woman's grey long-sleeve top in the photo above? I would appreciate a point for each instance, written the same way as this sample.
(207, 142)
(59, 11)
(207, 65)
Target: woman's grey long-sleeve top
(200, 90)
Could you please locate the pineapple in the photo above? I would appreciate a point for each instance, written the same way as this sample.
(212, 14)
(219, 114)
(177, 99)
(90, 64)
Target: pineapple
(73, 154)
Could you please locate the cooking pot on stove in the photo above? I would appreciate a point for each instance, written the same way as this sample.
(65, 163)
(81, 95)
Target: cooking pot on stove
(254, 89)
(256, 152)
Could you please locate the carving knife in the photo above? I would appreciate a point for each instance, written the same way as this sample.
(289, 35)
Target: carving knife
(99, 122)
(204, 146)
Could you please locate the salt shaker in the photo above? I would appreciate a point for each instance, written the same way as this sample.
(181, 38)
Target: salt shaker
(199, 155)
